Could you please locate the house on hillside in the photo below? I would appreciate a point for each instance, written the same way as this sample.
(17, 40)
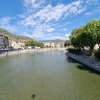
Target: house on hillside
(49, 44)
(17, 43)
(4, 41)
(59, 45)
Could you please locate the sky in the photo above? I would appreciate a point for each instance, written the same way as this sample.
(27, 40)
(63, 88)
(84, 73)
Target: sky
(47, 19)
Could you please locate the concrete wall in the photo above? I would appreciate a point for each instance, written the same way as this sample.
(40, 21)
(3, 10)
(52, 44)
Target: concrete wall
(86, 61)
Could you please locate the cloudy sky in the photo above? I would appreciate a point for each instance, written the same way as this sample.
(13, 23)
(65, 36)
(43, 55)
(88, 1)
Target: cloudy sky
(47, 19)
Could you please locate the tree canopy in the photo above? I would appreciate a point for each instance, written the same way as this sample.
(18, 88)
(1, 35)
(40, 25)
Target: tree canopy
(34, 43)
(88, 35)
(67, 43)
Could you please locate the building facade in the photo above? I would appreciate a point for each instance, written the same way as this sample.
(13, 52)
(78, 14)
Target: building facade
(4, 41)
(16, 43)
(54, 45)
(49, 44)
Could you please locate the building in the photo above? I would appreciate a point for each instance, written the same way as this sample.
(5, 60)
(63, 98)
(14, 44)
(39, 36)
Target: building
(17, 43)
(53, 44)
(49, 44)
(59, 45)
(4, 41)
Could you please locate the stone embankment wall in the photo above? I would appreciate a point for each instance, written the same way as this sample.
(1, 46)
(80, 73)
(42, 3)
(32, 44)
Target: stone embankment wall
(8, 53)
(86, 61)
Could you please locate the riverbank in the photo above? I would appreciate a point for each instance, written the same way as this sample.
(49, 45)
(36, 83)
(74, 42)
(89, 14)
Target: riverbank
(14, 52)
(86, 61)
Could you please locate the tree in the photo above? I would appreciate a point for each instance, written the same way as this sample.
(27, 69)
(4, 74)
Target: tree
(88, 35)
(82, 36)
(67, 43)
(98, 33)
(30, 43)
(91, 34)
(75, 38)
(39, 44)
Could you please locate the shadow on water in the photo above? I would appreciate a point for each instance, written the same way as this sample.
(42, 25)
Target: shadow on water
(82, 67)
(86, 68)
(33, 96)
(70, 60)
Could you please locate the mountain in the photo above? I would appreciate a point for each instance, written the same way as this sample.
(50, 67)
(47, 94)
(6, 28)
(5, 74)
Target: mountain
(54, 41)
(10, 35)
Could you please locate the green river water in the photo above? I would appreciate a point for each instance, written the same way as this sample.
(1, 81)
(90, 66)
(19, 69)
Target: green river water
(47, 76)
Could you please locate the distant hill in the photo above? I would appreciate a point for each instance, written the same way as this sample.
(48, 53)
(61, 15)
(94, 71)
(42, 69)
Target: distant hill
(10, 35)
(54, 41)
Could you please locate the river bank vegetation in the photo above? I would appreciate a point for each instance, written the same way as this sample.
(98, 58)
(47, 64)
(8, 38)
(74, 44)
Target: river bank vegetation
(34, 43)
(86, 36)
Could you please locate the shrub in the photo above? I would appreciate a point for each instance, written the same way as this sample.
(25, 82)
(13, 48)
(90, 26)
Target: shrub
(74, 51)
(97, 54)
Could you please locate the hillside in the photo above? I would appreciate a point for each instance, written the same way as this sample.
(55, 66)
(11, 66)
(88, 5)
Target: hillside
(10, 35)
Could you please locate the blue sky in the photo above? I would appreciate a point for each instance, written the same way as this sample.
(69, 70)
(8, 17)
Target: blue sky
(47, 19)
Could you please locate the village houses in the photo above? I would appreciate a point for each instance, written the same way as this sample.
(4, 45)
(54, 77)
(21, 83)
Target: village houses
(53, 45)
(6, 42)
(17, 43)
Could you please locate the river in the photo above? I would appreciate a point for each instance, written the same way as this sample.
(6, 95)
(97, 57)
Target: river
(47, 76)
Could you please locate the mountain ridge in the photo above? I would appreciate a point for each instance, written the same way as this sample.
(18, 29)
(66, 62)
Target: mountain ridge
(55, 41)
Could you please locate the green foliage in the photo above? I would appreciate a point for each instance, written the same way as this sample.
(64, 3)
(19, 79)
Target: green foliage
(91, 34)
(39, 44)
(75, 38)
(74, 51)
(97, 54)
(30, 43)
(34, 43)
(86, 36)
(47, 46)
(67, 43)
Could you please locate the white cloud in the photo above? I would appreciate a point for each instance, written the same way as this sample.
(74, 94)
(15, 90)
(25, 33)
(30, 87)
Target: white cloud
(67, 36)
(38, 36)
(5, 20)
(91, 2)
(33, 5)
(5, 24)
(40, 17)
(55, 37)
(88, 14)
(51, 13)
(50, 30)
(65, 29)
